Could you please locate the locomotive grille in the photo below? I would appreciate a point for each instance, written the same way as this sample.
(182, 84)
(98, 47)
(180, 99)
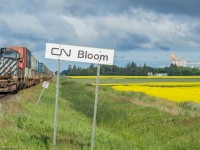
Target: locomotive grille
(8, 66)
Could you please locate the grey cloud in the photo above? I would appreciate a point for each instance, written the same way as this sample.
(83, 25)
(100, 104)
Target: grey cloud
(165, 48)
(90, 7)
(24, 29)
(154, 57)
(185, 7)
(131, 42)
(4, 30)
(10, 6)
(103, 7)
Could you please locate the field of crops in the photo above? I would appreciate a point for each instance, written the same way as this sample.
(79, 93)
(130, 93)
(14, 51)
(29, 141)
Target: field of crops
(126, 120)
(174, 88)
(178, 92)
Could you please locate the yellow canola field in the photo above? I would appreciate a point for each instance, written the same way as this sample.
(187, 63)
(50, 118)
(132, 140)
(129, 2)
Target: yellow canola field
(174, 91)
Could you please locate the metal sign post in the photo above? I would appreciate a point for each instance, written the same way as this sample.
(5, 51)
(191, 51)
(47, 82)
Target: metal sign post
(95, 107)
(45, 86)
(40, 96)
(56, 105)
(53, 78)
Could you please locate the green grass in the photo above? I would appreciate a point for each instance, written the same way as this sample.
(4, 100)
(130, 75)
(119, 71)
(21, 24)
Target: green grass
(137, 80)
(125, 120)
(190, 106)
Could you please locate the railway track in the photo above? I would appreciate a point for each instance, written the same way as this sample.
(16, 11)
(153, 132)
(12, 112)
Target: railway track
(2, 96)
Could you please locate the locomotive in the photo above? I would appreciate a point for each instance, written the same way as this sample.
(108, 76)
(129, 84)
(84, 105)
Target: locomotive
(19, 69)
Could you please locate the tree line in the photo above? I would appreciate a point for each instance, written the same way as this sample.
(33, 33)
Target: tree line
(131, 69)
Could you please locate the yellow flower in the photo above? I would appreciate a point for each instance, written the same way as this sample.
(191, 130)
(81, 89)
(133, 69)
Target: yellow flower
(174, 91)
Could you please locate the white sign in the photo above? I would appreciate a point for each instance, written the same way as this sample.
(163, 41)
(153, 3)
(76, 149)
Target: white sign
(80, 54)
(45, 84)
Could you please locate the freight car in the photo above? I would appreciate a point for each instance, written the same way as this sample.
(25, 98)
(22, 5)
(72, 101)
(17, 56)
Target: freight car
(19, 69)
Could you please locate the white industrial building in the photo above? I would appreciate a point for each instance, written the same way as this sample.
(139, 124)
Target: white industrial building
(181, 62)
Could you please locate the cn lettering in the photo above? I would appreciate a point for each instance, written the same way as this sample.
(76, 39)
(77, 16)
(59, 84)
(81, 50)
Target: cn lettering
(59, 52)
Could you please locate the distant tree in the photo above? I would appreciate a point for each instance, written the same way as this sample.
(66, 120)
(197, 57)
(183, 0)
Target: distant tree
(69, 67)
(91, 66)
(64, 72)
(133, 65)
(132, 69)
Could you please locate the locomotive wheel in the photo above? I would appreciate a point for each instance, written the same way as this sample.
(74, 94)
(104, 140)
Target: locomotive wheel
(16, 89)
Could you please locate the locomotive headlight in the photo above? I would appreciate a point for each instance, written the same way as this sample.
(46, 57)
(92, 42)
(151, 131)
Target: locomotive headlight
(14, 77)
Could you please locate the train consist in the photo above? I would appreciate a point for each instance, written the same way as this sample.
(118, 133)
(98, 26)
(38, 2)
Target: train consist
(19, 69)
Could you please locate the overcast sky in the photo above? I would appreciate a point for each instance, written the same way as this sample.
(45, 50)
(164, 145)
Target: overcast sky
(143, 31)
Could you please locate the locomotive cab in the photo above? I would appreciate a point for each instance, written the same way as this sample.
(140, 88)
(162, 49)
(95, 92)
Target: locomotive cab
(8, 62)
(7, 52)
(8, 69)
